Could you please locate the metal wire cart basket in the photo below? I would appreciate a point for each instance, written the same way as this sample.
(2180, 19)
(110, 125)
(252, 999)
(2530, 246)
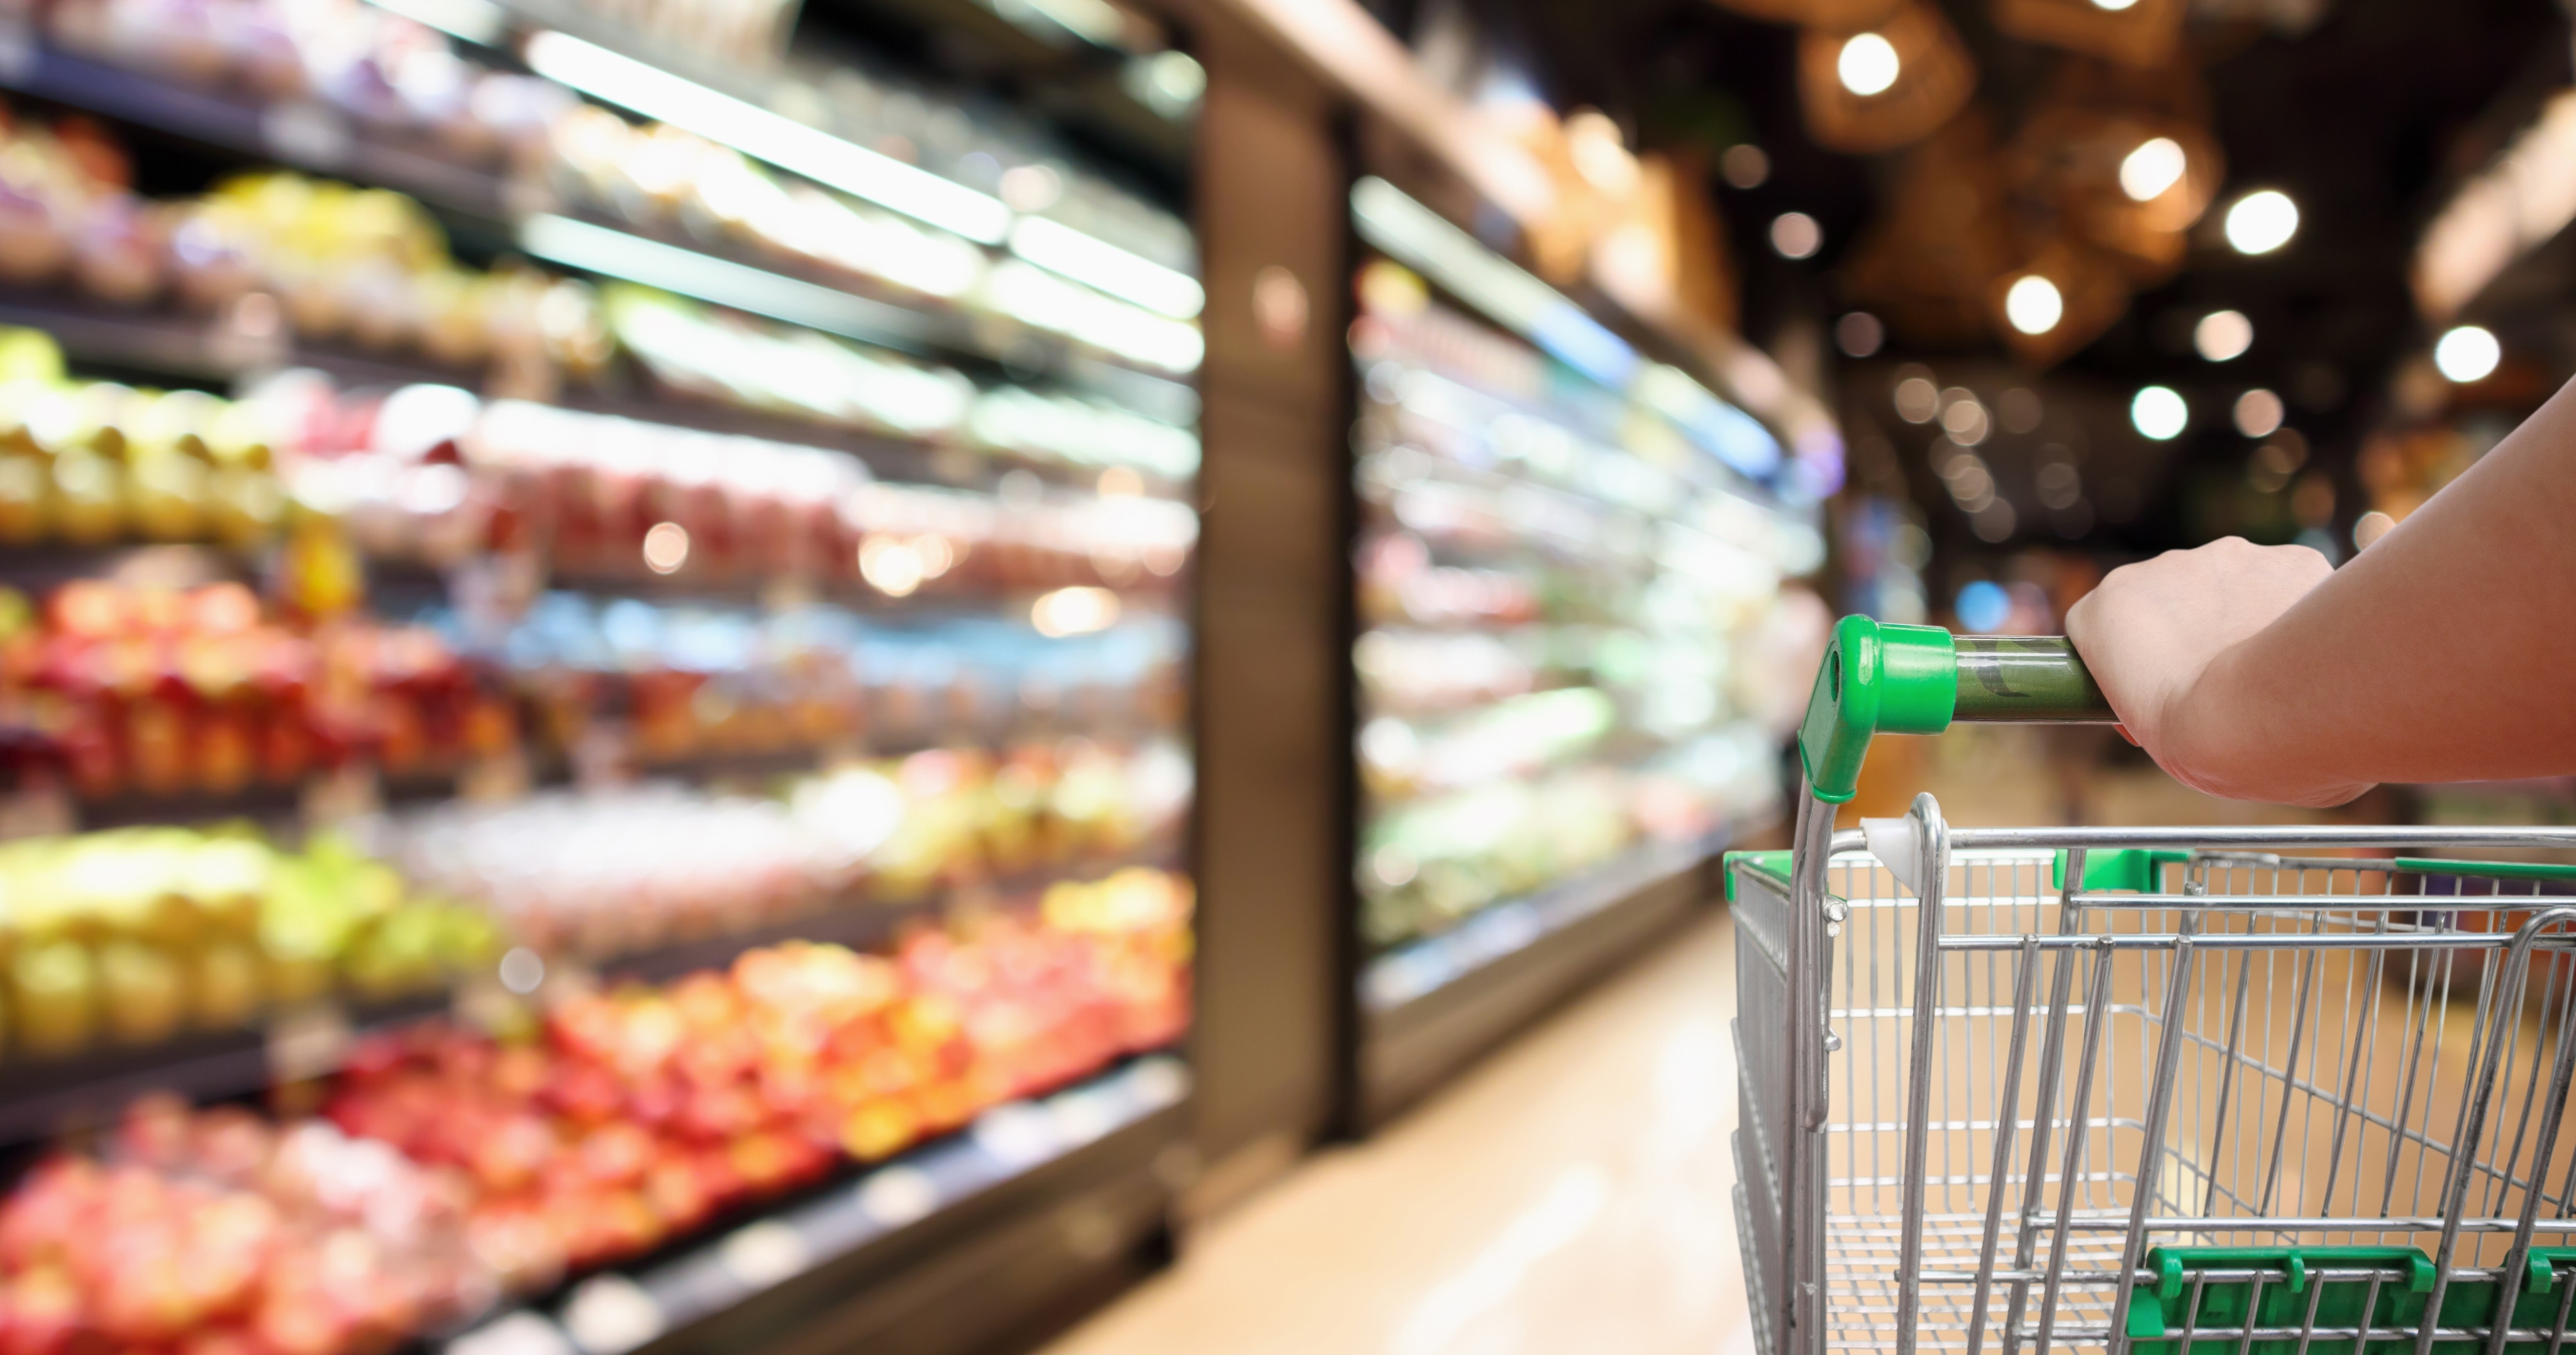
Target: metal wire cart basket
(2224, 1091)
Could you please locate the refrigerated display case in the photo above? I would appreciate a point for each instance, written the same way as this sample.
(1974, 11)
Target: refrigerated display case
(1566, 556)
(593, 687)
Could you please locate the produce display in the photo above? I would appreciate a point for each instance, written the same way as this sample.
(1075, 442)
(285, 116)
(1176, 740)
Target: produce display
(494, 627)
(602, 873)
(90, 463)
(450, 1167)
(1558, 588)
(165, 691)
(367, 265)
(432, 473)
(386, 71)
(134, 935)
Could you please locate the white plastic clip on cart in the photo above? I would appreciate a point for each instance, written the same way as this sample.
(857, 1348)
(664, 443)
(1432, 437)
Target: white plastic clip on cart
(2213, 1091)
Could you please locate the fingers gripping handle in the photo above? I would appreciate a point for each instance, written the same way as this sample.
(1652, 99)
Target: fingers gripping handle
(1918, 679)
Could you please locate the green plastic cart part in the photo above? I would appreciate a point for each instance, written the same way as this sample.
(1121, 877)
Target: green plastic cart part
(2160, 1313)
(2485, 870)
(1888, 679)
(2136, 870)
(1773, 863)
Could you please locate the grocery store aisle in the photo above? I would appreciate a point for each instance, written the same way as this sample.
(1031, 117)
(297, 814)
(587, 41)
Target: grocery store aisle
(1572, 1193)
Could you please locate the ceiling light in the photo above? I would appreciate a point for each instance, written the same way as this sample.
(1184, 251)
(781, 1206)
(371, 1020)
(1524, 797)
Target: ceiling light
(763, 135)
(2259, 413)
(2153, 167)
(2115, 6)
(2034, 305)
(1796, 235)
(2159, 412)
(1859, 334)
(1963, 418)
(2222, 335)
(2468, 353)
(1917, 400)
(2262, 222)
(1744, 165)
(1868, 65)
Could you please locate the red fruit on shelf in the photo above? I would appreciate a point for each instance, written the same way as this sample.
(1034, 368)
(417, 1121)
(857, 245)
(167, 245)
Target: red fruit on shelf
(615, 1154)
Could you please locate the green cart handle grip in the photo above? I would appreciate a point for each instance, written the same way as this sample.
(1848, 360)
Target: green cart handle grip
(1885, 679)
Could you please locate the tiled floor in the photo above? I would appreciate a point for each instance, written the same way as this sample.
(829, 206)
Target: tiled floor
(1569, 1195)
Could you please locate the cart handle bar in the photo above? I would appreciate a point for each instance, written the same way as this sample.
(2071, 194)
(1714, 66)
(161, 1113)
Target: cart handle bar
(1887, 679)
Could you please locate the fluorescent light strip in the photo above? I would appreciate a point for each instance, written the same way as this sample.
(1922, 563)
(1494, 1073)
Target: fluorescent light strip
(763, 135)
(597, 249)
(476, 21)
(1059, 248)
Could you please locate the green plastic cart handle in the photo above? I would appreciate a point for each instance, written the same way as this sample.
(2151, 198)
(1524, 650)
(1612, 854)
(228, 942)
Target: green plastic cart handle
(1884, 679)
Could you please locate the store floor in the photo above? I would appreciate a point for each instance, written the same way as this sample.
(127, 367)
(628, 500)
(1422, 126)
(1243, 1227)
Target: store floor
(1572, 1193)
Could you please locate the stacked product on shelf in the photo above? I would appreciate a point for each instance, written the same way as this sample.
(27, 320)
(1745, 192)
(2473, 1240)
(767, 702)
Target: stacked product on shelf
(714, 636)
(1555, 585)
(450, 1167)
(133, 936)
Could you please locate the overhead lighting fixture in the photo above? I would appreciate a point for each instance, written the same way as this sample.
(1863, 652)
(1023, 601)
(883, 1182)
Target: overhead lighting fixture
(1868, 65)
(2223, 335)
(2034, 305)
(2521, 201)
(1060, 248)
(2261, 222)
(2159, 412)
(2259, 413)
(767, 136)
(2468, 353)
(597, 249)
(2156, 165)
(1796, 235)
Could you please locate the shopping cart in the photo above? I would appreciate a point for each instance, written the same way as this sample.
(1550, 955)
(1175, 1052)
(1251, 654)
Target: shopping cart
(2190, 1091)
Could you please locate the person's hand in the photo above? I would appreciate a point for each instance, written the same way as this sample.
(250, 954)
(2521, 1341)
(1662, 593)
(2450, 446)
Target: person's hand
(2152, 632)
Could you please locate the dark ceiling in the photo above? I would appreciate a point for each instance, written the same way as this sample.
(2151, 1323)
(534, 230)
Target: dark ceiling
(2365, 119)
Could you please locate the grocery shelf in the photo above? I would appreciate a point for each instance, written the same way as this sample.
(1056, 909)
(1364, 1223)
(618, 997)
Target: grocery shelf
(523, 213)
(963, 1242)
(201, 348)
(48, 1095)
(41, 1096)
(1430, 1006)
(306, 135)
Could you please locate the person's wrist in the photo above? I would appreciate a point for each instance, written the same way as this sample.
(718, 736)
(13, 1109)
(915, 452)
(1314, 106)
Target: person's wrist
(2192, 741)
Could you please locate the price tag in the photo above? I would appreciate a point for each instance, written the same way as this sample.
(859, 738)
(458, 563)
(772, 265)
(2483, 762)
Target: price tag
(896, 1196)
(308, 1043)
(766, 1253)
(1082, 1116)
(610, 1315)
(517, 1334)
(1017, 1134)
(43, 810)
(501, 778)
(308, 134)
(345, 794)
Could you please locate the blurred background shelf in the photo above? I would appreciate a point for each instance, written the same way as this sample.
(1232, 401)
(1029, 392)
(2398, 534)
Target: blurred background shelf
(1431, 1006)
(993, 1236)
(47, 1094)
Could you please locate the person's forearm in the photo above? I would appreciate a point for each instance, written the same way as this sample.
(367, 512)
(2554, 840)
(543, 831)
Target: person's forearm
(2445, 652)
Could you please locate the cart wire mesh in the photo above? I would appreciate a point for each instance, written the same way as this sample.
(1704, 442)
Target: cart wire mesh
(2280, 1039)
